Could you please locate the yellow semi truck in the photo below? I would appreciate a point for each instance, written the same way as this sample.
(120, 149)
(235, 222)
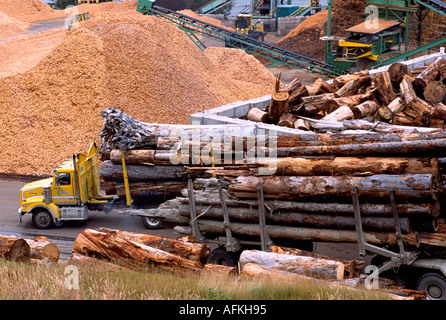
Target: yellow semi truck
(68, 195)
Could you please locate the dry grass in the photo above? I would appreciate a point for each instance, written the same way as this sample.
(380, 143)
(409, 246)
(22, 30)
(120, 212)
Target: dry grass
(30, 282)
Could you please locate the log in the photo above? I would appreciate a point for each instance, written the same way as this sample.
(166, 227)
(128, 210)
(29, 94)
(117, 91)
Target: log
(407, 91)
(352, 268)
(434, 71)
(43, 249)
(14, 248)
(420, 111)
(314, 88)
(372, 209)
(186, 250)
(300, 166)
(384, 88)
(257, 115)
(286, 120)
(318, 100)
(349, 89)
(436, 239)
(384, 114)
(133, 156)
(306, 266)
(397, 71)
(364, 109)
(279, 102)
(295, 96)
(302, 124)
(313, 220)
(146, 191)
(340, 114)
(435, 92)
(253, 270)
(113, 172)
(397, 105)
(440, 111)
(111, 247)
(363, 78)
(410, 186)
(419, 148)
(219, 270)
(299, 233)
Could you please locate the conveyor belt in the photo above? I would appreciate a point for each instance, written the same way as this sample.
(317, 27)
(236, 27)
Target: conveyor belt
(436, 5)
(275, 54)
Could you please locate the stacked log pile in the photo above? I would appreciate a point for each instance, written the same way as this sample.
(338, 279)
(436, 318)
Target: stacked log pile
(395, 96)
(306, 178)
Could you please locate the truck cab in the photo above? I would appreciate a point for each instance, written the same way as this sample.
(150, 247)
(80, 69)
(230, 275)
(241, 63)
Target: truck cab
(69, 194)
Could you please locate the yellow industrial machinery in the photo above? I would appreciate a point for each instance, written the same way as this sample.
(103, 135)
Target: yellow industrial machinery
(245, 26)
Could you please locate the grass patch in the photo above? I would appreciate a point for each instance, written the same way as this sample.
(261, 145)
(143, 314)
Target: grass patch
(24, 281)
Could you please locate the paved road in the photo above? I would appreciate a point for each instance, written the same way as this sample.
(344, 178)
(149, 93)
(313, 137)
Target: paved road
(64, 236)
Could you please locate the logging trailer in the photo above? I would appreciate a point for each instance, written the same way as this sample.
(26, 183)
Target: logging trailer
(413, 267)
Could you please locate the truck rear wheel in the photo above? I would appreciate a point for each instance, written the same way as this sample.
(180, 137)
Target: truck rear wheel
(434, 284)
(42, 219)
(222, 257)
(151, 223)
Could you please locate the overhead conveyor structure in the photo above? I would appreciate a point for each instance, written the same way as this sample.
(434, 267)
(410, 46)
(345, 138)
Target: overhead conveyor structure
(195, 28)
(213, 6)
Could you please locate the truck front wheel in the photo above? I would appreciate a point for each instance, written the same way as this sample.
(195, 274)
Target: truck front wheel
(434, 284)
(42, 219)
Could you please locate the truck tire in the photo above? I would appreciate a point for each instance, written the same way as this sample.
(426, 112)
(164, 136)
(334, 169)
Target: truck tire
(434, 284)
(42, 219)
(151, 223)
(222, 257)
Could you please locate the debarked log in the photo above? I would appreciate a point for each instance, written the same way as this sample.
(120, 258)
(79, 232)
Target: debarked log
(307, 266)
(410, 186)
(298, 233)
(290, 218)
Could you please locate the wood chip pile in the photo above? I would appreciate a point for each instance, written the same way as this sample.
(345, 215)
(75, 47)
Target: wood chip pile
(30, 10)
(118, 58)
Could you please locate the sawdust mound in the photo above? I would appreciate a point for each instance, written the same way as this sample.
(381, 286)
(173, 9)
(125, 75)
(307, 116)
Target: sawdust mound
(140, 64)
(51, 111)
(10, 26)
(29, 10)
(305, 38)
